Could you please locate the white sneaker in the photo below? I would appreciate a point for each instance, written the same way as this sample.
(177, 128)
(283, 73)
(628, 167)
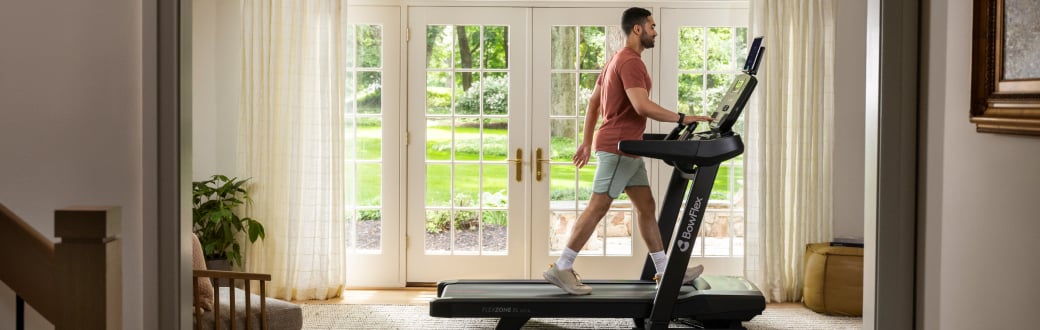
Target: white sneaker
(692, 273)
(567, 280)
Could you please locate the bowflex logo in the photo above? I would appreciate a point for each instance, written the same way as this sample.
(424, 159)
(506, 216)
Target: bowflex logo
(684, 238)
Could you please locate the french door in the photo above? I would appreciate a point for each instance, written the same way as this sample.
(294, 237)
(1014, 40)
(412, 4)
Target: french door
(571, 46)
(468, 157)
(702, 50)
(495, 116)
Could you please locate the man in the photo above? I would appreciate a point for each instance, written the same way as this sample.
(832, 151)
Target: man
(622, 99)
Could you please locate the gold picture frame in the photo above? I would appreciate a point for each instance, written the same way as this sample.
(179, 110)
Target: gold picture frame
(1005, 70)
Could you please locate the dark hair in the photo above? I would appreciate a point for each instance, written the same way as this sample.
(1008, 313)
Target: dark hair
(632, 17)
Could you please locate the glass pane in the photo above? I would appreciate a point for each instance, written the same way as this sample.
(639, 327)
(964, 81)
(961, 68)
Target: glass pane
(563, 137)
(370, 46)
(467, 93)
(615, 41)
(563, 94)
(593, 41)
(496, 179)
(349, 94)
(351, 181)
(467, 233)
(496, 139)
(691, 94)
(438, 93)
(438, 232)
(350, 135)
(467, 46)
(467, 138)
(494, 240)
(369, 92)
(438, 138)
(467, 185)
(741, 46)
(720, 49)
(496, 47)
(560, 224)
(585, 176)
(369, 138)
(720, 190)
(618, 232)
(718, 84)
(594, 246)
(350, 48)
(369, 229)
(496, 93)
(691, 48)
(562, 187)
(438, 185)
(587, 84)
(698, 248)
(369, 184)
(438, 46)
(564, 54)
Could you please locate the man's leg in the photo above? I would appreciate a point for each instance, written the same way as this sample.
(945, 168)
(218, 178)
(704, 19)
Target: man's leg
(562, 273)
(599, 203)
(643, 201)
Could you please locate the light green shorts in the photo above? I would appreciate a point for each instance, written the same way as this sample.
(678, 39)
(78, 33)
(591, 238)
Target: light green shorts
(616, 172)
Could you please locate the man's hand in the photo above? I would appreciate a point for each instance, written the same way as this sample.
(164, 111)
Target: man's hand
(581, 156)
(692, 119)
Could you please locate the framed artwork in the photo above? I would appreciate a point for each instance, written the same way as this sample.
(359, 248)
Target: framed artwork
(1005, 68)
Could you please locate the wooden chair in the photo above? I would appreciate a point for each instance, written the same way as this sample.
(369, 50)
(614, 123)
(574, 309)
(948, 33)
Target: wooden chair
(271, 314)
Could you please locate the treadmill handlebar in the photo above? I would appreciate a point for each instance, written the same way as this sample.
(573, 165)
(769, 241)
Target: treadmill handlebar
(695, 152)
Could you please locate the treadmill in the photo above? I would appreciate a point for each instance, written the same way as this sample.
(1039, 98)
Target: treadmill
(712, 301)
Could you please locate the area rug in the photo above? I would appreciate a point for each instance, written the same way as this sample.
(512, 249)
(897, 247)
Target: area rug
(346, 316)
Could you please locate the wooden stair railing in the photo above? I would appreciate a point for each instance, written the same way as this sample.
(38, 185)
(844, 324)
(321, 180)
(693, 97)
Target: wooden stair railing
(75, 283)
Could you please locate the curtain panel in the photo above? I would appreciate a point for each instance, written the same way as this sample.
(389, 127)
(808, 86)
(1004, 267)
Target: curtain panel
(291, 143)
(789, 152)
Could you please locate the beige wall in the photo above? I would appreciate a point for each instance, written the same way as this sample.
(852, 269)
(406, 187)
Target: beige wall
(849, 113)
(71, 126)
(215, 101)
(981, 221)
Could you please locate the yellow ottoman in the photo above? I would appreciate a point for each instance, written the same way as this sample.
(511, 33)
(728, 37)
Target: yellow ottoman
(833, 279)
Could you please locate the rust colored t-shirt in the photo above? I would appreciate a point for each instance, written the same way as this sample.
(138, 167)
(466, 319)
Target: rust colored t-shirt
(619, 118)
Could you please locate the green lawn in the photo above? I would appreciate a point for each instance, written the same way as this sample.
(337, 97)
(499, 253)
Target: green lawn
(495, 174)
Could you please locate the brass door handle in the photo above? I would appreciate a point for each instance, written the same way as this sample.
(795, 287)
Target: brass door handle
(519, 160)
(538, 164)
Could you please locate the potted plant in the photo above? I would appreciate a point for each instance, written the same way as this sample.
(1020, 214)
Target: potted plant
(215, 221)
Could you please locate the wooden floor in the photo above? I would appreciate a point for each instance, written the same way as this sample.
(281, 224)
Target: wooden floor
(403, 296)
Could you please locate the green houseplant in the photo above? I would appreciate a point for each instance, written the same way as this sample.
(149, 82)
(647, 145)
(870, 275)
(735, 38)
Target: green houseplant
(215, 221)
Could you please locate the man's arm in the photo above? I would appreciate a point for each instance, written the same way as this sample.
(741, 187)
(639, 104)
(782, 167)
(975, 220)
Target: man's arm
(581, 156)
(640, 99)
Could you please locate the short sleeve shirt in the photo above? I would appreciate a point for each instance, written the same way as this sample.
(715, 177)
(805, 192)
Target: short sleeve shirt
(619, 118)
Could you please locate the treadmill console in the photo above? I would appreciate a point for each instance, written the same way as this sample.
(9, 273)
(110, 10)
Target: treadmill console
(737, 96)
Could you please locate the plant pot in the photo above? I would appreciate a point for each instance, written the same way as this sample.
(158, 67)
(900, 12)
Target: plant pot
(218, 264)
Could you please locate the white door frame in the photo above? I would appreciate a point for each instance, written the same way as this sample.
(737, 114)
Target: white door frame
(423, 268)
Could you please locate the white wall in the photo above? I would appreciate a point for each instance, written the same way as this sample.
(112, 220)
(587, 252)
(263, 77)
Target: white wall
(215, 101)
(849, 106)
(71, 125)
(981, 219)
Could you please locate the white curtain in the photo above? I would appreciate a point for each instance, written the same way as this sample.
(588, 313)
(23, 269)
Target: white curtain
(292, 143)
(790, 143)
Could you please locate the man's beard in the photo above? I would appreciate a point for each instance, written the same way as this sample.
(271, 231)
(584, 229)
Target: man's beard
(646, 41)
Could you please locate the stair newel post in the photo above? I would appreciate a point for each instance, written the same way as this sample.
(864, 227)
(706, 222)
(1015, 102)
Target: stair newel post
(89, 267)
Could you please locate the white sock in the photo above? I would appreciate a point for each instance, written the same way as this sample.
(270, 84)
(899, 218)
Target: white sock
(566, 260)
(660, 260)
